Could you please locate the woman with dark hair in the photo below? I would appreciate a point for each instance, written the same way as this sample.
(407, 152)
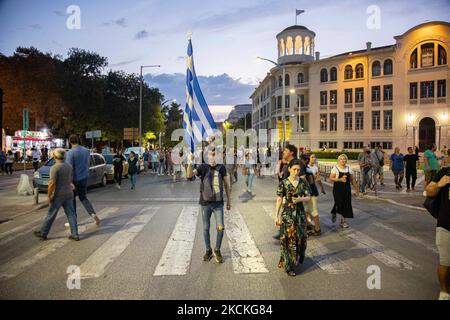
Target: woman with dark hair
(133, 169)
(292, 220)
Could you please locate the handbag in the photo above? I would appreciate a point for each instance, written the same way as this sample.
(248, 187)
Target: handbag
(432, 205)
(245, 171)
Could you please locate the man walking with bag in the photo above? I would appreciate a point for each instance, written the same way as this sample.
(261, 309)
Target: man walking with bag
(214, 183)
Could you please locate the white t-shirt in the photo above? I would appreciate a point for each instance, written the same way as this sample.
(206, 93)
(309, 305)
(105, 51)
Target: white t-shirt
(336, 170)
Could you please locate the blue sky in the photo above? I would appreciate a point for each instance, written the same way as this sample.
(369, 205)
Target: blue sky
(227, 35)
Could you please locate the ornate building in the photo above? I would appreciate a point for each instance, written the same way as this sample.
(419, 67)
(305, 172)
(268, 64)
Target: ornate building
(393, 95)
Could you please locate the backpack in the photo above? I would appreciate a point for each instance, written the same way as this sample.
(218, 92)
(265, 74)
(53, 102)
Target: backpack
(206, 186)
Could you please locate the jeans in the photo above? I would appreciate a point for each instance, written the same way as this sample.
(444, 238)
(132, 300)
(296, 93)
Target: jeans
(411, 174)
(207, 211)
(249, 181)
(80, 191)
(161, 168)
(69, 209)
(365, 177)
(398, 177)
(133, 178)
(118, 176)
(155, 167)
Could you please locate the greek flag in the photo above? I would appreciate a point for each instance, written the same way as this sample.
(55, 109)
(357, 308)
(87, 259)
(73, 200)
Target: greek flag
(197, 119)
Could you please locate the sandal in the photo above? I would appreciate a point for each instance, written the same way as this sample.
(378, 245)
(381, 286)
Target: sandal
(316, 232)
(344, 225)
(291, 273)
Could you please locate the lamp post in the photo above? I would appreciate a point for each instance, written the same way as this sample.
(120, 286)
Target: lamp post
(140, 104)
(283, 100)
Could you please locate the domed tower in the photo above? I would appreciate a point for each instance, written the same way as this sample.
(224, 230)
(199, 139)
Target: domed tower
(295, 44)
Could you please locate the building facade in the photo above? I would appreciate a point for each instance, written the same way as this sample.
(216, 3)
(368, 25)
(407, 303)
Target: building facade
(393, 95)
(239, 112)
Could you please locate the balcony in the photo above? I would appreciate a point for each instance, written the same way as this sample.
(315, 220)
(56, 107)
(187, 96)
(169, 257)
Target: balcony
(348, 105)
(359, 105)
(301, 85)
(333, 106)
(441, 100)
(412, 101)
(376, 103)
(387, 103)
(426, 100)
(323, 107)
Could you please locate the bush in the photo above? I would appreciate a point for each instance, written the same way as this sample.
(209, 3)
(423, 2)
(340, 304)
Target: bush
(352, 155)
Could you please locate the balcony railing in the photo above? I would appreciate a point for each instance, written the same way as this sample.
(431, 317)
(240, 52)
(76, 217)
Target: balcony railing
(301, 85)
(359, 105)
(426, 100)
(441, 100)
(376, 103)
(387, 103)
(348, 105)
(412, 101)
(333, 106)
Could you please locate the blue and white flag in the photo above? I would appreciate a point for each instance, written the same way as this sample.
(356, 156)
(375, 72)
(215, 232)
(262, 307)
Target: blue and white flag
(197, 119)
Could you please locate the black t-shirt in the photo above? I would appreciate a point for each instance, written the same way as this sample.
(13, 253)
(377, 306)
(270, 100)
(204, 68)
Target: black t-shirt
(444, 198)
(202, 170)
(411, 161)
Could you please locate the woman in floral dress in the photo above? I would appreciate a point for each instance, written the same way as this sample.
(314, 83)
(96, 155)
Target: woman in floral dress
(292, 220)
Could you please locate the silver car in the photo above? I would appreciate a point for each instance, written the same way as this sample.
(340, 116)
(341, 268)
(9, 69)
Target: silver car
(97, 173)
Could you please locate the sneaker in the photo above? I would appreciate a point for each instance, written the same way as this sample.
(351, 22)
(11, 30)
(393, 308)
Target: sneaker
(408, 190)
(382, 184)
(218, 256)
(40, 235)
(117, 186)
(74, 238)
(344, 225)
(208, 255)
(316, 233)
(444, 296)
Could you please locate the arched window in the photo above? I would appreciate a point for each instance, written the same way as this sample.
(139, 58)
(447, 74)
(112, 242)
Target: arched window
(413, 59)
(427, 58)
(359, 70)
(300, 78)
(442, 55)
(298, 45)
(286, 80)
(280, 81)
(333, 74)
(323, 75)
(281, 47)
(376, 69)
(387, 67)
(289, 46)
(348, 73)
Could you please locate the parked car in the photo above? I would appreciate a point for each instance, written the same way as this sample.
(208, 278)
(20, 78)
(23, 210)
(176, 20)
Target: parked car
(110, 168)
(97, 173)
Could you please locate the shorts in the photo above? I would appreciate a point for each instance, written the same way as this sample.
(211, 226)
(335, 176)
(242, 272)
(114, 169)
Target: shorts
(377, 170)
(429, 175)
(443, 246)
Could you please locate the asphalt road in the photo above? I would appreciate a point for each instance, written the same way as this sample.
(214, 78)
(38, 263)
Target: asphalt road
(150, 246)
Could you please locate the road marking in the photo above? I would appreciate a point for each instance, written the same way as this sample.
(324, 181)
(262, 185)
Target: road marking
(407, 237)
(95, 265)
(13, 233)
(321, 255)
(18, 264)
(387, 256)
(176, 256)
(325, 259)
(244, 253)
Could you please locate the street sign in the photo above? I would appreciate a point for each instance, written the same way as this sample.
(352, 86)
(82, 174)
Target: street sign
(130, 133)
(26, 119)
(93, 134)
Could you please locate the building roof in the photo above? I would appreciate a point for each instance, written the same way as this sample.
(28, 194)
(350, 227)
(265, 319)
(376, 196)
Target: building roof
(420, 26)
(297, 27)
(361, 51)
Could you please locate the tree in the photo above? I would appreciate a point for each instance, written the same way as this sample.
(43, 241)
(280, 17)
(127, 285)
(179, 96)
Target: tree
(173, 121)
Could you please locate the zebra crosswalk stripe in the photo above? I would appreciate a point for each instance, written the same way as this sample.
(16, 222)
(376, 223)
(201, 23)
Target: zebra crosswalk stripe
(245, 255)
(20, 263)
(95, 265)
(176, 256)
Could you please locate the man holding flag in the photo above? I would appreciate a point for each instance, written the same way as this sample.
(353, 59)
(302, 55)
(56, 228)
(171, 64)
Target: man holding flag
(199, 126)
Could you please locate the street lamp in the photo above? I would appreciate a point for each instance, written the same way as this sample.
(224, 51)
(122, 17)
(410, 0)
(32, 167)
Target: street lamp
(140, 104)
(283, 100)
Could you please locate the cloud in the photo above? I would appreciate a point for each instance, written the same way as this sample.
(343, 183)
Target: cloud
(36, 26)
(123, 63)
(218, 90)
(122, 22)
(141, 35)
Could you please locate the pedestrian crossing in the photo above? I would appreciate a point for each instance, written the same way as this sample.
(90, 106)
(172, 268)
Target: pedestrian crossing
(176, 257)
